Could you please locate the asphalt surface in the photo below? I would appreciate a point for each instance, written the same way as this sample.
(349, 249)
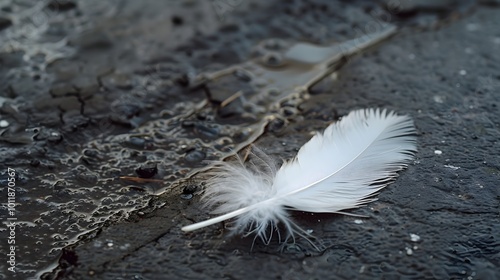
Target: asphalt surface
(108, 133)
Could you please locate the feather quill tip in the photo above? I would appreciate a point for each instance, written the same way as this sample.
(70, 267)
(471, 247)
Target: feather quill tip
(341, 168)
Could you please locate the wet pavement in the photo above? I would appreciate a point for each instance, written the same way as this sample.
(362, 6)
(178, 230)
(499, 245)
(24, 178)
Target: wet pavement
(111, 110)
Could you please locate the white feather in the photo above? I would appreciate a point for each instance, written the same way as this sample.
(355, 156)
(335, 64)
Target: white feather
(341, 168)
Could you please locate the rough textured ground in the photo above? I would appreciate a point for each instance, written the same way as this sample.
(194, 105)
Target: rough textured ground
(92, 92)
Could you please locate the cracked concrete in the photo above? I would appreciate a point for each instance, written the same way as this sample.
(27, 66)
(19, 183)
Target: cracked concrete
(110, 91)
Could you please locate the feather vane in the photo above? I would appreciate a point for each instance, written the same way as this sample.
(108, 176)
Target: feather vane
(339, 169)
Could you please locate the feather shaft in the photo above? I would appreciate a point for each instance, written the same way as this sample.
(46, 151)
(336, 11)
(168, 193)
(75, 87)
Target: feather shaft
(216, 219)
(222, 218)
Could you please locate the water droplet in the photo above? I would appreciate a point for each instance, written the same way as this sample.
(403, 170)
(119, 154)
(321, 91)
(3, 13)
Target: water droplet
(438, 99)
(409, 251)
(414, 237)
(4, 123)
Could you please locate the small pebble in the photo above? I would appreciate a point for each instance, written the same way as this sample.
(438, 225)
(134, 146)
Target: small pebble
(189, 189)
(147, 170)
